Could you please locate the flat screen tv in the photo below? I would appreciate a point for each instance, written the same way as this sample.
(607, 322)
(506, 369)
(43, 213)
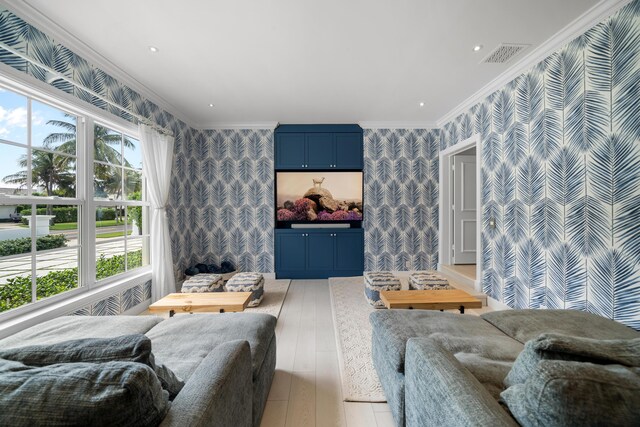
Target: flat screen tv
(318, 197)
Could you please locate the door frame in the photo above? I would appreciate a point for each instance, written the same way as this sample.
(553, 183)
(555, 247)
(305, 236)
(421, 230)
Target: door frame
(444, 200)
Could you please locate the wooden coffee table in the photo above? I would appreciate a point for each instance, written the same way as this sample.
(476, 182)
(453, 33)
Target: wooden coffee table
(206, 302)
(430, 300)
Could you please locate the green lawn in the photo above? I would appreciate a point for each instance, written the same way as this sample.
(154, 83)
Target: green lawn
(74, 225)
(114, 234)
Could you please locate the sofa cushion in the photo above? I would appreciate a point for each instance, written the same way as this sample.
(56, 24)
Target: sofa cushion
(565, 393)
(562, 347)
(182, 342)
(76, 327)
(74, 394)
(463, 335)
(525, 325)
(129, 348)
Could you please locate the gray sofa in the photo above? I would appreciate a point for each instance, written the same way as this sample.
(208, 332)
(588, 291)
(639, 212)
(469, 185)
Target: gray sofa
(448, 369)
(226, 361)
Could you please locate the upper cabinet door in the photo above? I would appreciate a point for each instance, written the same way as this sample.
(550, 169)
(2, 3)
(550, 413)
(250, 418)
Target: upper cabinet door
(290, 151)
(348, 150)
(320, 150)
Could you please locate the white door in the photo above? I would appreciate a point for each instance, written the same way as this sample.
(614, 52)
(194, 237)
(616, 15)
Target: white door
(464, 209)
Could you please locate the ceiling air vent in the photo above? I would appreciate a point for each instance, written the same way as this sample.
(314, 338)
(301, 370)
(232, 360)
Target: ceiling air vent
(504, 53)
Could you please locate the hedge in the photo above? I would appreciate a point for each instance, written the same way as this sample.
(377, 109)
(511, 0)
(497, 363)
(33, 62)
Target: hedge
(69, 214)
(23, 245)
(17, 291)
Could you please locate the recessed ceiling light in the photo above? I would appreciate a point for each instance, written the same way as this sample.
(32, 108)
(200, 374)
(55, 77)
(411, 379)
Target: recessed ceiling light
(422, 104)
(153, 49)
(211, 105)
(477, 47)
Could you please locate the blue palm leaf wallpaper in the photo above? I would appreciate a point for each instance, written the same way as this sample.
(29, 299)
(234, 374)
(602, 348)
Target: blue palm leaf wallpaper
(399, 205)
(573, 146)
(242, 198)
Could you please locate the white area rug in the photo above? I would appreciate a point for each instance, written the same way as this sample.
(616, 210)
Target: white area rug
(274, 293)
(353, 338)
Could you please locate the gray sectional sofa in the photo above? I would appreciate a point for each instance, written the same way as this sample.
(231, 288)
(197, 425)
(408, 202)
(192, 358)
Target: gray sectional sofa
(227, 361)
(445, 369)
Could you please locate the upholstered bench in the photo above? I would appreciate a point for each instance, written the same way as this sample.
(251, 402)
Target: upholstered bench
(376, 281)
(247, 282)
(203, 283)
(428, 281)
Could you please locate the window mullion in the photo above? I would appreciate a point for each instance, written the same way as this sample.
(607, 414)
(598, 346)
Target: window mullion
(29, 156)
(34, 207)
(89, 215)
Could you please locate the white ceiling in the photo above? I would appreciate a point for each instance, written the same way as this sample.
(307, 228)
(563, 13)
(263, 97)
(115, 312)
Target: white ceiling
(303, 61)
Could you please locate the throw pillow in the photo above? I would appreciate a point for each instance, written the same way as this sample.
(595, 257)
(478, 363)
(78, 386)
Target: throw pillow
(74, 394)
(564, 393)
(132, 348)
(562, 347)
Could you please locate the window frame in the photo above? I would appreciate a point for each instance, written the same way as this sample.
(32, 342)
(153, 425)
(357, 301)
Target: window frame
(87, 118)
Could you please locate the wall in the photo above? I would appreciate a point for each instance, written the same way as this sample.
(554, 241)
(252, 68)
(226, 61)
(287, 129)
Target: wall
(401, 199)
(228, 181)
(561, 176)
(231, 189)
(34, 43)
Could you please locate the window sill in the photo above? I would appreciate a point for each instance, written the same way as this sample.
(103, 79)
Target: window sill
(39, 314)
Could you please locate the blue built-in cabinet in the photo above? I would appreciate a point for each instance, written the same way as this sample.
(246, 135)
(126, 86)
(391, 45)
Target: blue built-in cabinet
(319, 147)
(319, 253)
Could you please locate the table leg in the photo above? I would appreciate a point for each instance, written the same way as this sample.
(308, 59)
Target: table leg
(462, 309)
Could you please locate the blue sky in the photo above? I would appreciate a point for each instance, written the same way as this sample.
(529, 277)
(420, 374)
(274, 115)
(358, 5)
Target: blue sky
(13, 127)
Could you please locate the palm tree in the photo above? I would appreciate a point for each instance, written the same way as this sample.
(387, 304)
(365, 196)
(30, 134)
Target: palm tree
(103, 141)
(53, 172)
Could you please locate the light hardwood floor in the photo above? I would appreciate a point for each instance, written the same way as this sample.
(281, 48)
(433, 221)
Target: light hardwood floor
(306, 388)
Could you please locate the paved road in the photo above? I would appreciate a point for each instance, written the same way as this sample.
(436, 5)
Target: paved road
(61, 259)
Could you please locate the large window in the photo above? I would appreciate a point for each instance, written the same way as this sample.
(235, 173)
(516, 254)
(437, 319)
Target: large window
(72, 202)
(121, 231)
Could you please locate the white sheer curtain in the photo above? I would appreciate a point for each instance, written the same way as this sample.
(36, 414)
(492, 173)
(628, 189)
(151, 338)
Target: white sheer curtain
(157, 155)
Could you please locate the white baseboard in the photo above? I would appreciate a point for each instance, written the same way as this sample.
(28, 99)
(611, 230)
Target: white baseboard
(138, 309)
(494, 304)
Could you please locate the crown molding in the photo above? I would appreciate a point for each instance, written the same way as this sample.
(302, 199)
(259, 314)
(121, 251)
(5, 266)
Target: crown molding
(397, 125)
(33, 16)
(222, 126)
(580, 25)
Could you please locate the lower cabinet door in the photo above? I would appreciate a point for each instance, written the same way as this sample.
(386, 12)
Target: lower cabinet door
(291, 252)
(349, 251)
(320, 251)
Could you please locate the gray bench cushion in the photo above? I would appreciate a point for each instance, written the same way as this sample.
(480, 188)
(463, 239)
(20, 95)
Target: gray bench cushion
(567, 394)
(525, 325)
(182, 342)
(463, 335)
(92, 394)
(126, 348)
(563, 347)
(77, 327)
